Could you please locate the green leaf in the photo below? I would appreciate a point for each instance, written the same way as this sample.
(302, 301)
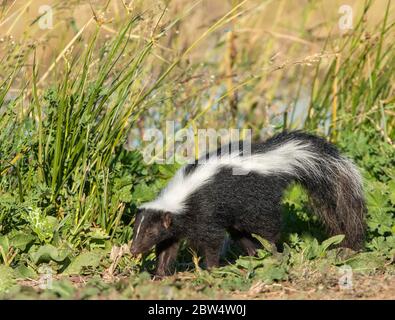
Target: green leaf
(48, 252)
(86, 259)
(391, 186)
(98, 234)
(64, 289)
(267, 245)
(4, 246)
(366, 261)
(273, 269)
(143, 193)
(21, 239)
(125, 194)
(24, 272)
(167, 171)
(331, 241)
(7, 278)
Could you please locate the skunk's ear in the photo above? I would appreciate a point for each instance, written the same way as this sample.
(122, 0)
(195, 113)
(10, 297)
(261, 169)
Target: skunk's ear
(167, 219)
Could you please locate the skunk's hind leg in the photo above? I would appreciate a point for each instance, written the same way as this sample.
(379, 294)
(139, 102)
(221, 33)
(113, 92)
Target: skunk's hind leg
(264, 223)
(246, 241)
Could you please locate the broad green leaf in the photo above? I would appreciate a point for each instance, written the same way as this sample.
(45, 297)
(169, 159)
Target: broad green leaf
(24, 272)
(331, 241)
(271, 272)
(86, 259)
(21, 239)
(366, 261)
(391, 186)
(4, 245)
(267, 245)
(7, 278)
(48, 252)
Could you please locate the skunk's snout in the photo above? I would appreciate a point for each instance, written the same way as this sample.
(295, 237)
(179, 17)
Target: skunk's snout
(133, 251)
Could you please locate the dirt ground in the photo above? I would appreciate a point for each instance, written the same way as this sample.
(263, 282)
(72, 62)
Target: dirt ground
(321, 288)
(381, 287)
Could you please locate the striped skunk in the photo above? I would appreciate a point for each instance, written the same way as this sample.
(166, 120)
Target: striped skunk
(204, 201)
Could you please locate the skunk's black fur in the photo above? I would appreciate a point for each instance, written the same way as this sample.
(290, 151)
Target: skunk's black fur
(251, 203)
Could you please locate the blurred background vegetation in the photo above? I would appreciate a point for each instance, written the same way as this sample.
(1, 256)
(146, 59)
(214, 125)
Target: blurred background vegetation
(76, 98)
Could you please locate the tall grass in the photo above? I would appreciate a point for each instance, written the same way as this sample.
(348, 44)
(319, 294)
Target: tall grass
(72, 131)
(64, 162)
(357, 87)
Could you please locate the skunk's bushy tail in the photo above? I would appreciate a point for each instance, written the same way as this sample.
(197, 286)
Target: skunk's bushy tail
(335, 188)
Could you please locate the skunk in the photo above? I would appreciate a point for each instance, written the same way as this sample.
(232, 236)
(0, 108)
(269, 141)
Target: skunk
(206, 200)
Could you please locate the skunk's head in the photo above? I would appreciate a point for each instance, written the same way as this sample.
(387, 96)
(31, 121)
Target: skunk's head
(150, 228)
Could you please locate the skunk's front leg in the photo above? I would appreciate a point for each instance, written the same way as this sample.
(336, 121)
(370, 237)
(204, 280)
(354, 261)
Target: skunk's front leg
(212, 252)
(212, 258)
(166, 253)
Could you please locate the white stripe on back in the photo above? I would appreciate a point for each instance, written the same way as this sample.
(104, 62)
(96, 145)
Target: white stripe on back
(285, 158)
